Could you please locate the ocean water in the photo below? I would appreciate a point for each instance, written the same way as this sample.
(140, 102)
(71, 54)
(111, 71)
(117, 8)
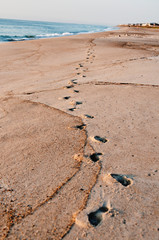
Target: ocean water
(20, 30)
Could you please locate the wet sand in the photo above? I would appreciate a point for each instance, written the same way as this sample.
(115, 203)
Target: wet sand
(79, 137)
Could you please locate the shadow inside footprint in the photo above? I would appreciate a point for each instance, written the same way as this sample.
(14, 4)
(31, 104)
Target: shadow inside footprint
(74, 81)
(72, 109)
(122, 179)
(69, 86)
(88, 116)
(100, 139)
(66, 98)
(29, 93)
(76, 91)
(78, 103)
(96, 217)
(95, 156)
(80, 126)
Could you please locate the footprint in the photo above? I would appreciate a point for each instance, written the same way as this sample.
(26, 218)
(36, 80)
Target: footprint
(69, 86)
(122, 179)
(75, 103)
(78, 73)
(82, 126)
(29, 93)
(67, 97)
(73, 81)
(80, 65)
(76, 91)
(78, 103)
(96, 217)
(99, 139)
(95, 156)
(72, 109)
(88, 116)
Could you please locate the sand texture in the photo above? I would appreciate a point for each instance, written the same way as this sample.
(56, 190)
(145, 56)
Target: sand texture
(79, 137)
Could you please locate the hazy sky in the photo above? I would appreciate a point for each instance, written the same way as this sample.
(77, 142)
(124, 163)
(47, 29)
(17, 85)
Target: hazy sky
(82, 11)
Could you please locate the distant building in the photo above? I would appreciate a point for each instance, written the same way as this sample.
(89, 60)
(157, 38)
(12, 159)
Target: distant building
(142, 25)
(154, 24)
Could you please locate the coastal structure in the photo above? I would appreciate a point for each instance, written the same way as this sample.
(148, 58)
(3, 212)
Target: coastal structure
(142, 25)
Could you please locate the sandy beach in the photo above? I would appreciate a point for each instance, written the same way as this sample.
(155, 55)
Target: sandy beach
(79, 137)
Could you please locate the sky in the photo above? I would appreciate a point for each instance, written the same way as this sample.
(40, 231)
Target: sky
(110, 12)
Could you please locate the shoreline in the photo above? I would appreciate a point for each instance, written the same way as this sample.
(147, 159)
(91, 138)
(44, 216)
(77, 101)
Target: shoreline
(80, 136)
(30, 30)
(87, 33)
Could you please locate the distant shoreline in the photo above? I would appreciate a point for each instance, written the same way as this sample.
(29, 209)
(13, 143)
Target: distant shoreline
(141, 25)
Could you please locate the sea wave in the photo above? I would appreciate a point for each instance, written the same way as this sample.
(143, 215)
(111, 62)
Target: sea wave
(17, 30)
(11, 38)
(30, 36)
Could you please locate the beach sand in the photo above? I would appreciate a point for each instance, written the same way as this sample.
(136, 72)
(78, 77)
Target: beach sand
(79, 134)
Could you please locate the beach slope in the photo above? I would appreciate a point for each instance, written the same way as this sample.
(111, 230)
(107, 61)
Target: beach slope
(79, 136)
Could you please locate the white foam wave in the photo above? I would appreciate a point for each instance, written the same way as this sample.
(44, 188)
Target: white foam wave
(67, 34)
(55, 34)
